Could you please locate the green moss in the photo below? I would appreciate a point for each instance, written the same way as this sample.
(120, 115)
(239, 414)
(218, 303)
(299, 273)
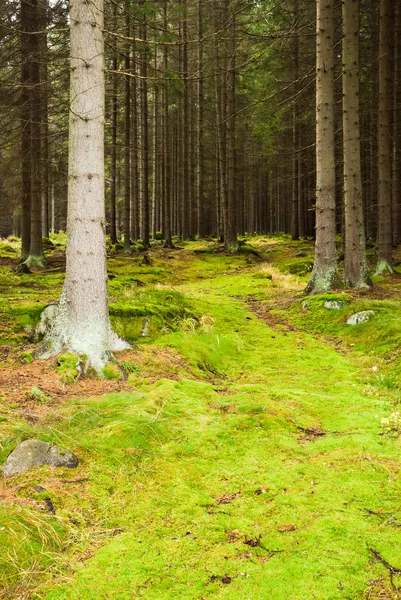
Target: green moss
(38, 395)
(26, 358)
(298, 266)
(112, 371)
(277, 423)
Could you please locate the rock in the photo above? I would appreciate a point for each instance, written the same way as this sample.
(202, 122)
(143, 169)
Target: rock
(145, 331)
(361, 317)
(33, 453)
(306, 305)
(334, 304)
(46, 320)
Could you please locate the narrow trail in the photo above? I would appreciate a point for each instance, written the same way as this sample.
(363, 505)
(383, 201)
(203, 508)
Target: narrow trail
(271, 482)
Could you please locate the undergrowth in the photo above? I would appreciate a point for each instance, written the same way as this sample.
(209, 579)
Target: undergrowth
(260, 468)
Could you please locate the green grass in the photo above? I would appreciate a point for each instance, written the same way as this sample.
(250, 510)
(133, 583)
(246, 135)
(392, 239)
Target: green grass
(272, 433)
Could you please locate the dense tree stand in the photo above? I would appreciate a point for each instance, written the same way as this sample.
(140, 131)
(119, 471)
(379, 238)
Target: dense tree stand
(82, 324)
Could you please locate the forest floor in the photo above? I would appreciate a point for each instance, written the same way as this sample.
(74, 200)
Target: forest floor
(242, 457)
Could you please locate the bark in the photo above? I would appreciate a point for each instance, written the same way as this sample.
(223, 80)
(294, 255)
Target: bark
(144, 138)
(127, 139)
(230, 234)
(324, 274)
(82, 324)
(166, 145)
(385, 257)
(113, 189)
(396, 175)
(36, 257)
(355, 262)
(27, 26)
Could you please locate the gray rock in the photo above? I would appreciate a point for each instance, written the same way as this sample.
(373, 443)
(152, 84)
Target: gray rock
(46, 320)
(334, 304)
(361, 317)
(33, 453)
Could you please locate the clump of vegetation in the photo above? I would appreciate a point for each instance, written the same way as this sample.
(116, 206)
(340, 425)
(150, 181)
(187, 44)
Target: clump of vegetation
(131, 368)
(25, 358)
(112, 372)
(69, 367)
(38, 395)
(297, 266)
(392, 424)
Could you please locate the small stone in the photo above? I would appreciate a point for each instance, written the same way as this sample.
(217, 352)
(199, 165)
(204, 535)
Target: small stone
(306, 305)
(33, 453)
(334, 304)
(361, 317)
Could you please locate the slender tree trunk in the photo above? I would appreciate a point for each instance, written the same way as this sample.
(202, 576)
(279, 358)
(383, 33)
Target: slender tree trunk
(144, 136)
(324, 274)
(135, 188)
(295, 132)
(385, 257)
(166, 145)
(114, 120)
(82, 324)
(27, 27)
(396, 175)
(230, 235)
(36, 257)
(45, 119)
(355, 262)
(127, 137)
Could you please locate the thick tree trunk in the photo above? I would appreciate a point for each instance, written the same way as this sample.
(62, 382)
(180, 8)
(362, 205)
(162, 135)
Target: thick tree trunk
(385, 257)
(324, 274)
(355, 263)
(82, 324)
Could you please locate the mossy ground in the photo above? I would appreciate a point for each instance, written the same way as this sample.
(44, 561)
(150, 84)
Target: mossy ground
(243, 458)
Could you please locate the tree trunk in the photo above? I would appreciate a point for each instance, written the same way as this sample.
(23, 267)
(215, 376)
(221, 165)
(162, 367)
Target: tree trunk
(144, 137)
(36, 257)
(166, 145)
(82, 324)
(385, 257)
(27, 26)
(127, 138)
(355, 262)
(324, 274)
(114, 120)
(230, 234)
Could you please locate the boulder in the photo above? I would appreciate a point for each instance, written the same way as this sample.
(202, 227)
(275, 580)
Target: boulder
(361, 317)
(46, 320)
(334, 304)
(33, 453)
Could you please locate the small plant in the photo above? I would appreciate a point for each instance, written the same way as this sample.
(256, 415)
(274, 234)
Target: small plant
(25, 358)
(206, 323)
(130, 368)
(38, 395)
(111, 372)
(68, 368)
(392, 424)
(187, 324)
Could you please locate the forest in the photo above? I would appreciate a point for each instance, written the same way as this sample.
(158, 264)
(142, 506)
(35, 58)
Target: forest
(200, 295)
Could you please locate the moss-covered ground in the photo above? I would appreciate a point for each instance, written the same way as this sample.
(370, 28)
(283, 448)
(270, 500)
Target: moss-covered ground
(242, 457)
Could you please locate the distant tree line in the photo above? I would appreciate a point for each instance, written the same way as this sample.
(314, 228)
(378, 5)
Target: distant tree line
(223, 117)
